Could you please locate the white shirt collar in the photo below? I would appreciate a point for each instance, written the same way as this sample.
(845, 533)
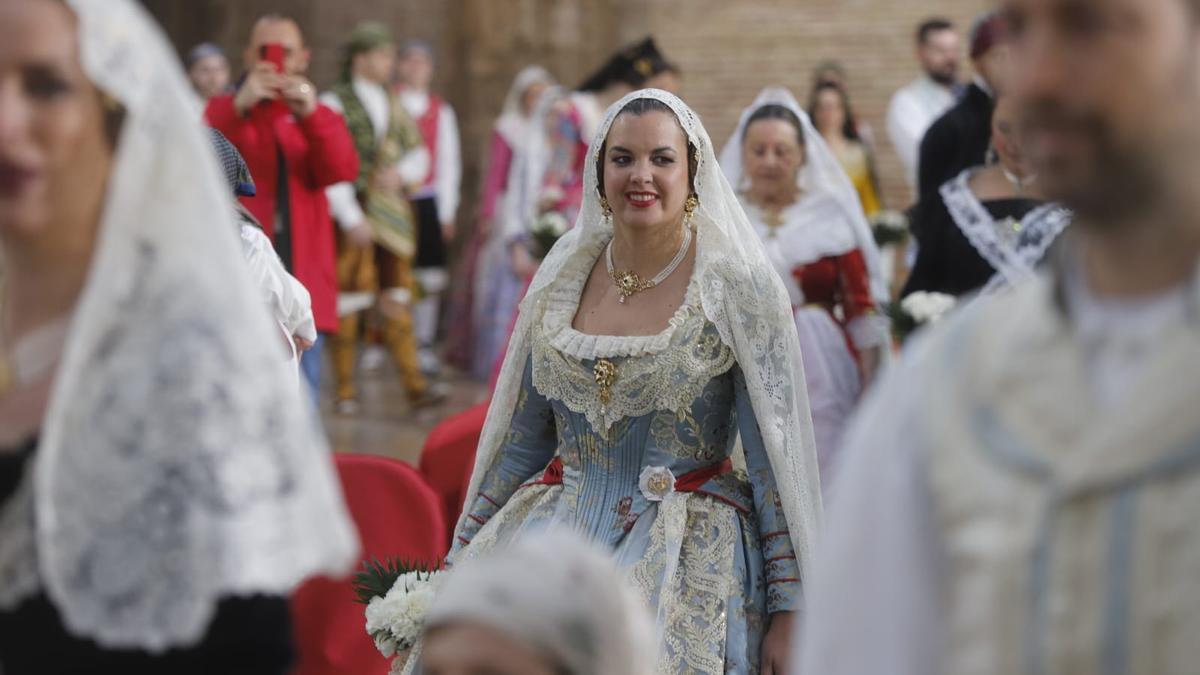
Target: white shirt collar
(415, 101)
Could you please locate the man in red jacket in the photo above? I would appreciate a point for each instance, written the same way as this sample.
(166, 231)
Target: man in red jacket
(295, 148)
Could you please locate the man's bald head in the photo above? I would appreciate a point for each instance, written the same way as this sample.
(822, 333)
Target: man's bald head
(283, 30)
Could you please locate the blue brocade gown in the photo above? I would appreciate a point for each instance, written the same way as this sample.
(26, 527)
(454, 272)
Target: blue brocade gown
(712, 562)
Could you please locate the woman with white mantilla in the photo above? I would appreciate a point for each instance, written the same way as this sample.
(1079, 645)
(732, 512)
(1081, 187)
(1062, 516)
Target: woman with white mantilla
(654, 334)
(163, 481)
(808, 214)
(504, 264)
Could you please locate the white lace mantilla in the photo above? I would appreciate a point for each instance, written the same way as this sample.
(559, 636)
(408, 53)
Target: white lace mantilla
(665, 371)
(178, 462)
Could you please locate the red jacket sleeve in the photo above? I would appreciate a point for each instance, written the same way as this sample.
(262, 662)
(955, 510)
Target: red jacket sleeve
(331, 154)
(854, 285)
(240, 131)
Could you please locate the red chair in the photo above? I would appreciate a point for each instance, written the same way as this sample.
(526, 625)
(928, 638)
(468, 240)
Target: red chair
(398, 515)
(449, 455)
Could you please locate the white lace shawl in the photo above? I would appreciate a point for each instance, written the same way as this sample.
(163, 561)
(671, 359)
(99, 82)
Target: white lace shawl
(739, 292)
(531, 159)
(1014, 262)
(821, 179)
(176, 465)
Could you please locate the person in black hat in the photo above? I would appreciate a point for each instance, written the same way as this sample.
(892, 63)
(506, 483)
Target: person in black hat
(639, 66)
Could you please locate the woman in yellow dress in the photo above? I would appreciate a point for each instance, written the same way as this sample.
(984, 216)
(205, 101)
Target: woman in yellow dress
(831, 114)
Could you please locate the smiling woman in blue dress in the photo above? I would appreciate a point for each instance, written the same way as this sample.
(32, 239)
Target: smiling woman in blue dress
(654, 334)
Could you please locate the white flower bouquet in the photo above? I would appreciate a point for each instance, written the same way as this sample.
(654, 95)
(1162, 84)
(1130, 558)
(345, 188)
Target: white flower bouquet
(398, 595)
(546, 231)
(920, 309)
(889, 227)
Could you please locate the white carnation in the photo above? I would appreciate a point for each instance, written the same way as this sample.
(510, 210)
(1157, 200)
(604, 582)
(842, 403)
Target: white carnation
(552, 223)
(386, 645)
(551, 194)
(891, 220)
(395, 621)
(926, 307)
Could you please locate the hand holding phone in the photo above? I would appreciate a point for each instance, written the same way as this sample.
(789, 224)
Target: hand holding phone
(262, 85)
(274, 54)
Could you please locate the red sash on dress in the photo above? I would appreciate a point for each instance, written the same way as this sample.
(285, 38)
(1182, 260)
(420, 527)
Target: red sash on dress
(688, 482)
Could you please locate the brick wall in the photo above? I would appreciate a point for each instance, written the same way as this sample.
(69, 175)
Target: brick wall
(728, 50)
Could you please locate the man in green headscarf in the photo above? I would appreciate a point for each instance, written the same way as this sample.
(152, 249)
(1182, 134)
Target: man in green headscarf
(377, 238)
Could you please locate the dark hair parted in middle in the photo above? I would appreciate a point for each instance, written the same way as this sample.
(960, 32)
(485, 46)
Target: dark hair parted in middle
(774, 111)
(850, 125)
(639, 107)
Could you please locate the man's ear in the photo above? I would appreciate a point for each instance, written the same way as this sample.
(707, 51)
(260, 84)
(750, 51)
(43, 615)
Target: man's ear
(303, 59)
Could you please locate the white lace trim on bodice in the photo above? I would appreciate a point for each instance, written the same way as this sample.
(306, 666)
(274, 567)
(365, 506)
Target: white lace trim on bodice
(562, 303)
(665, 371)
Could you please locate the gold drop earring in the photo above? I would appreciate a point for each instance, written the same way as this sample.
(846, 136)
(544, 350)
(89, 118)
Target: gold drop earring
(689, 210)
(606, 209)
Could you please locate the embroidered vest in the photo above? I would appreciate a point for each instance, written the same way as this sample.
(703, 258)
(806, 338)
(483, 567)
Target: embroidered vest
(389, 215)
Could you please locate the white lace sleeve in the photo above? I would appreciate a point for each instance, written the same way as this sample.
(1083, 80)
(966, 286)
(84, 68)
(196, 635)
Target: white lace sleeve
(289, 301)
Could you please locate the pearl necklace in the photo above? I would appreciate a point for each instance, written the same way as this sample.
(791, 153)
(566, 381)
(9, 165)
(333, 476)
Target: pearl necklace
(1021, 183)
(629, 282)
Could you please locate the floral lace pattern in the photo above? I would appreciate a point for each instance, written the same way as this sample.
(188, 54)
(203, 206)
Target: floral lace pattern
(687, 572)
(178, 463)
(670, 379)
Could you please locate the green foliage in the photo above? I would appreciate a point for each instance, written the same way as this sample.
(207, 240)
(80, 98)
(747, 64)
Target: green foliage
(377, 578)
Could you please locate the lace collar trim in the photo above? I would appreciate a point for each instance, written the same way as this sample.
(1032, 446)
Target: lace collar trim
(813, 228)
(562, 303)
(1012, 262)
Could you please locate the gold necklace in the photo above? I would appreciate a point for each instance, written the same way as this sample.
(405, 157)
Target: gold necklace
(629, 282)
(773, 220)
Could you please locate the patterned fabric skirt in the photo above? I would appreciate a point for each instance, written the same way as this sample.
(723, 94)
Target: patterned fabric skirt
(498, 291)
(696, 560)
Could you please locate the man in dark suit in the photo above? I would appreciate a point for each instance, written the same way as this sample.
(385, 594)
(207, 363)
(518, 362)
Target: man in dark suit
(960, 139)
